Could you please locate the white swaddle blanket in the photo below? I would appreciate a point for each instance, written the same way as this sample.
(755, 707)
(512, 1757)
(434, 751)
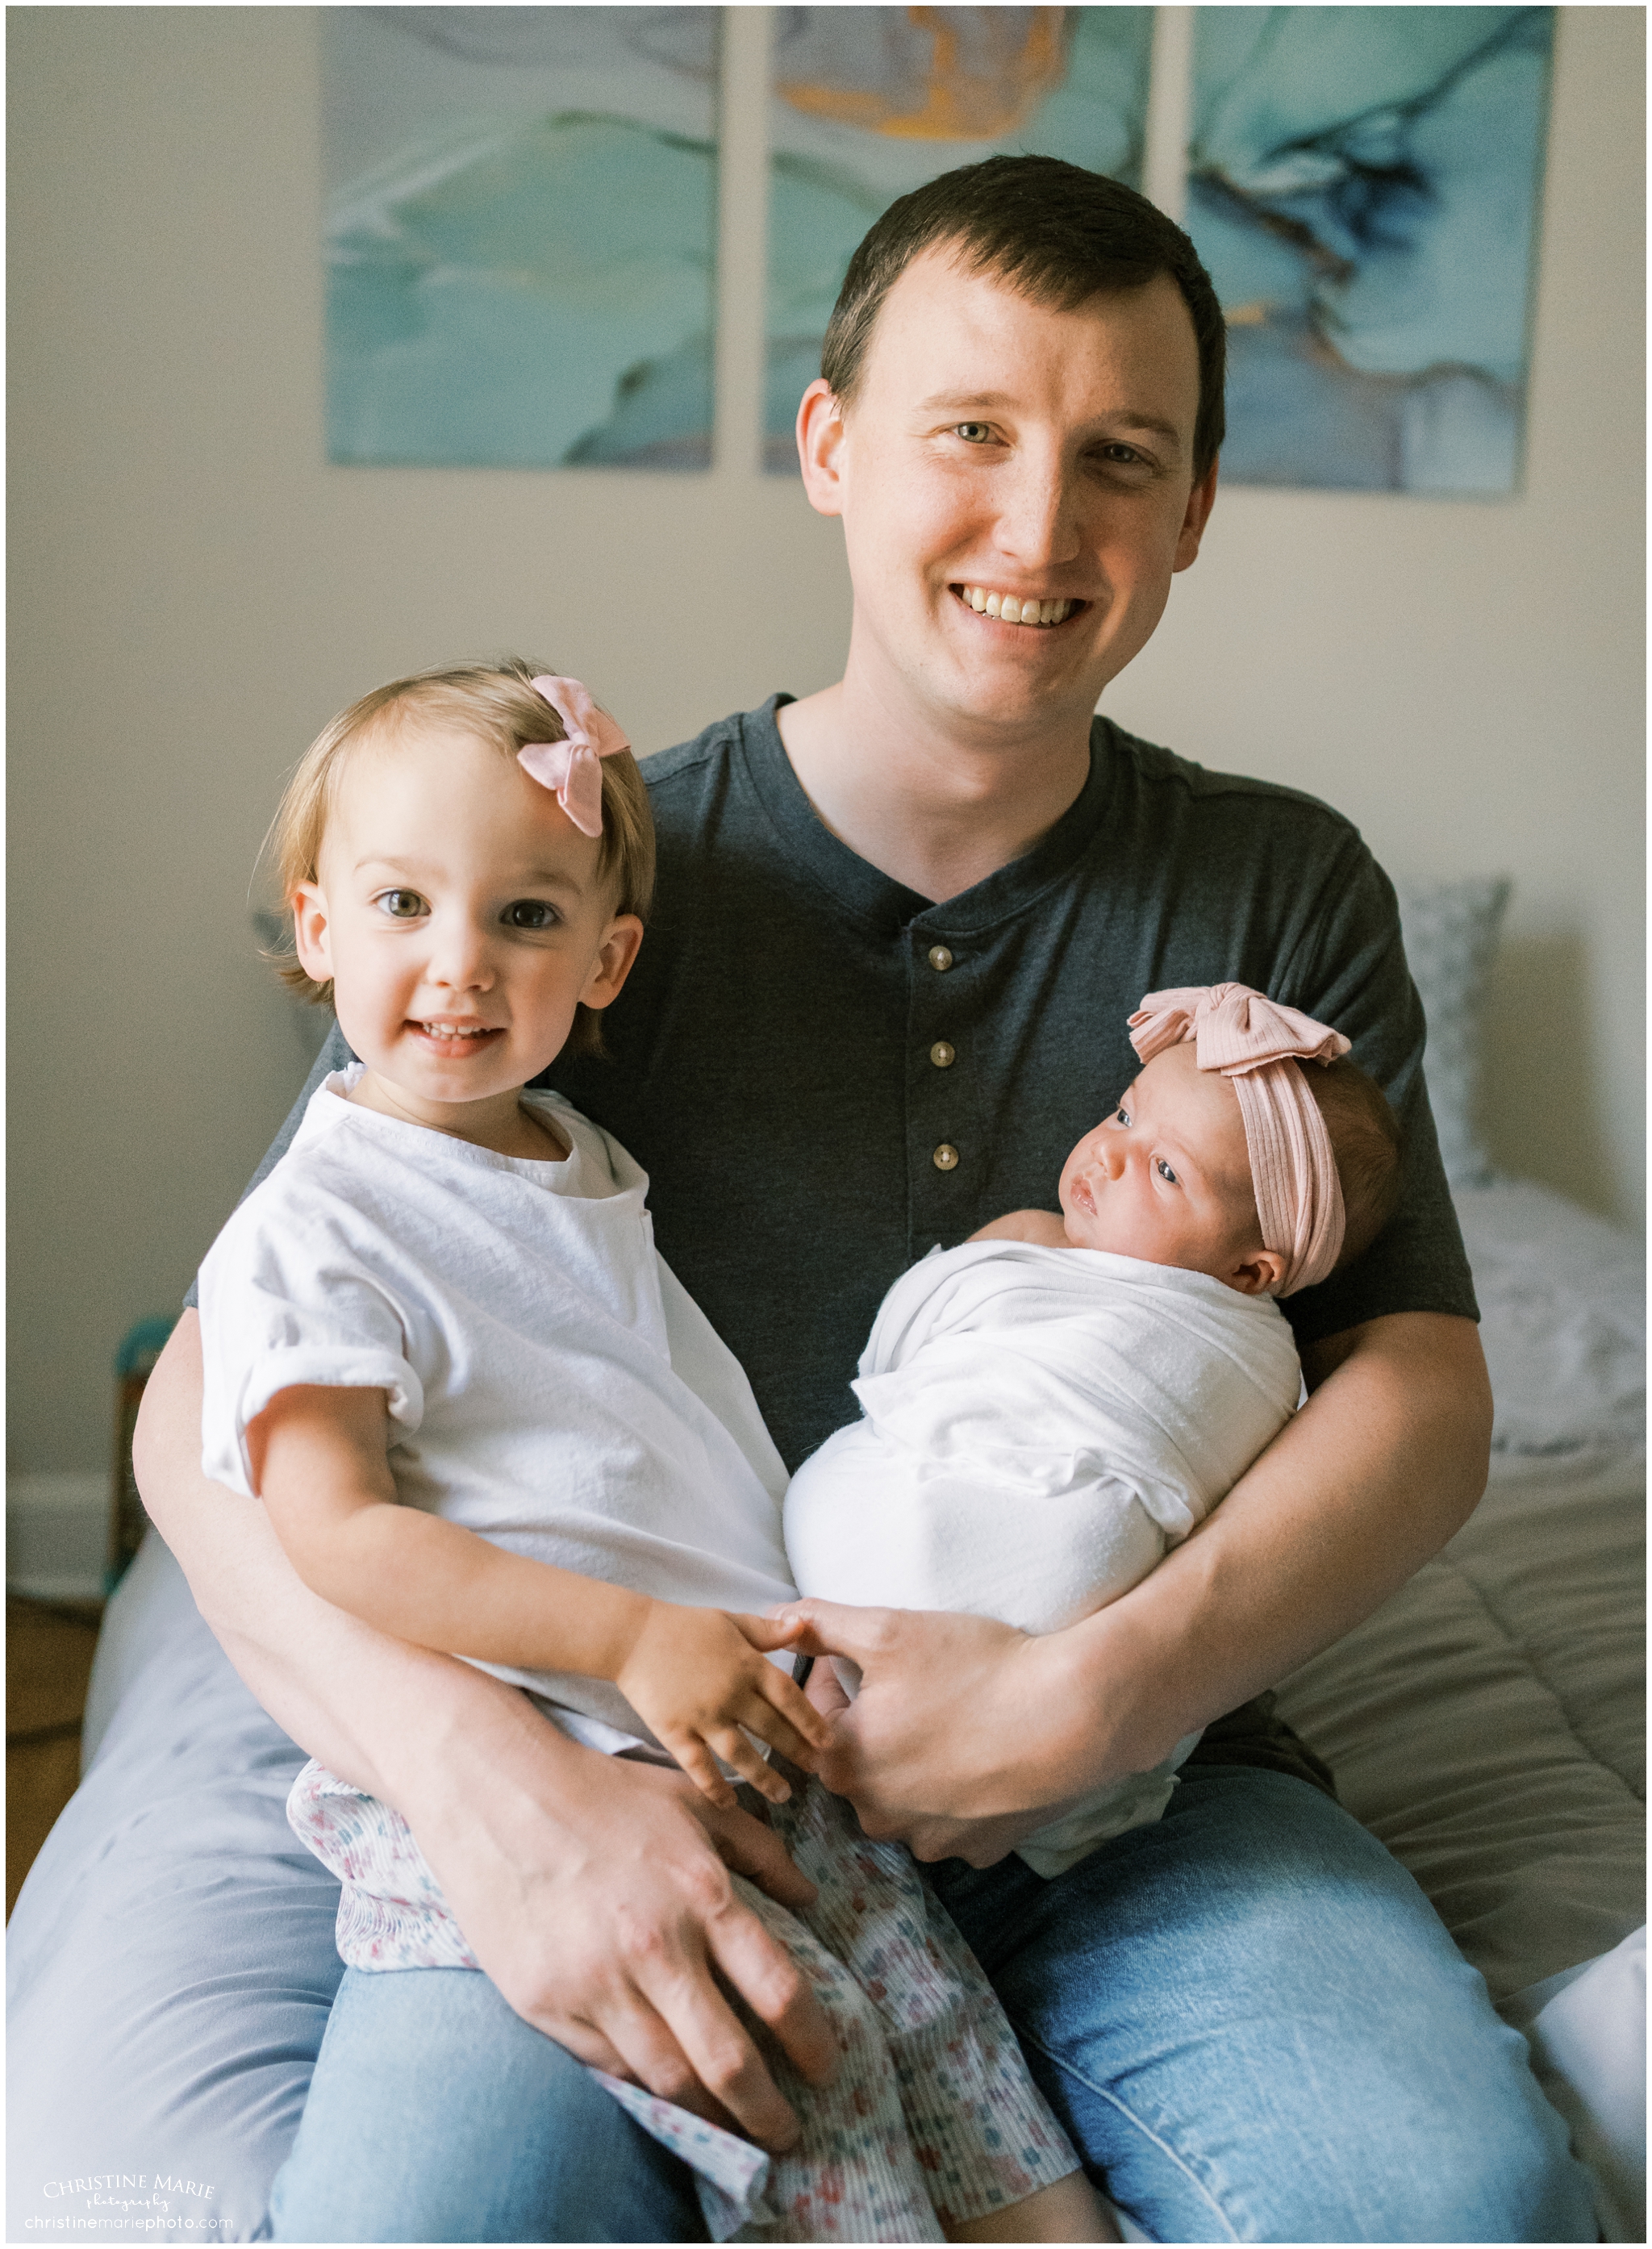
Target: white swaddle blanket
(1042, 1425)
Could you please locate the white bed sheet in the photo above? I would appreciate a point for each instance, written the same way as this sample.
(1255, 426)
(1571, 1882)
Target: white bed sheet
(1488, 1722)
(1562, 1317)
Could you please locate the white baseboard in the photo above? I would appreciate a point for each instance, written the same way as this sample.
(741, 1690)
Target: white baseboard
(56, 1534)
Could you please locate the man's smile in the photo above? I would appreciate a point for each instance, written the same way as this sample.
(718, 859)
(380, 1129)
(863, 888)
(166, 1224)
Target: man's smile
(1014, 609)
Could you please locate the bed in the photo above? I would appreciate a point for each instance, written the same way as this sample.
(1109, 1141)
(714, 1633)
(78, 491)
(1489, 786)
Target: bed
(1487, 1723)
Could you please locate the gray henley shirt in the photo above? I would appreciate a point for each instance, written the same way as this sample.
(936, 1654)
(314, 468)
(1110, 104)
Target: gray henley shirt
(823, 1072)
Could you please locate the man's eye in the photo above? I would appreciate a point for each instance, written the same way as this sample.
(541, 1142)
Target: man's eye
(401, 905)
(529, 913)
(973, 433)
(1165, 1172)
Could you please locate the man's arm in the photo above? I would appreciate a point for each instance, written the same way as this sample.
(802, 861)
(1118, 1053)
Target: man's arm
(1042, 1228)
(1385, 1462)
(594, 1890)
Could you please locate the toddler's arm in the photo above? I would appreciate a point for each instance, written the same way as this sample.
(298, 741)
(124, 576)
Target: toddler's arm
(1042, 1228)
(696, 1676)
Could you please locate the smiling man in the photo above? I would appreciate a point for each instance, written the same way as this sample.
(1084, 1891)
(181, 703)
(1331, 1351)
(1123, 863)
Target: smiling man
(900, 924)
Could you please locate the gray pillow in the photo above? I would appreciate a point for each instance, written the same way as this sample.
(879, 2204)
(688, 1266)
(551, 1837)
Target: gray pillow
(1450, 933)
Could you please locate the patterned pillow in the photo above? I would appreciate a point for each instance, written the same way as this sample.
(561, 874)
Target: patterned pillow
(1450, 933)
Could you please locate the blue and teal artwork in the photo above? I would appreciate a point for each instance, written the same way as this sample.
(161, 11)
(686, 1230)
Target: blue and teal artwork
(521, 232)
(868, 103)
(1364, 184)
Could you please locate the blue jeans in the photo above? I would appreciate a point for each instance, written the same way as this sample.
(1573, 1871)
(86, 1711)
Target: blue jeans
(1247, 2016)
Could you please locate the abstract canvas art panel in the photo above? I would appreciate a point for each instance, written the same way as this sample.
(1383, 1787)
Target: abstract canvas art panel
(1364, 184)
(521, 235)
(868, 103)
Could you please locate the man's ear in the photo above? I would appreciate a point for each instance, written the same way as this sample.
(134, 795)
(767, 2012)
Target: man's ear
(310, 932)
(1200, 500)
(821, 436)
(1257, 1274)
(613, 962)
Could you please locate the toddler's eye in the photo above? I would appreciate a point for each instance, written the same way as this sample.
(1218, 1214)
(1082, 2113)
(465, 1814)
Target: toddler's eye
(1164, 1170)
(529, 913)
(401, 905)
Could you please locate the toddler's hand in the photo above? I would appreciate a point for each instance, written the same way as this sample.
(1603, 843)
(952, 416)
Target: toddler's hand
(697, 1677)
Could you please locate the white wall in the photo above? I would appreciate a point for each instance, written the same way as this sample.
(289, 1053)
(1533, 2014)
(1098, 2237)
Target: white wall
(193, 591)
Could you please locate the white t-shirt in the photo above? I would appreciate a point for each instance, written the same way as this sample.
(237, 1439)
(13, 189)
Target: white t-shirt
(551, 1384)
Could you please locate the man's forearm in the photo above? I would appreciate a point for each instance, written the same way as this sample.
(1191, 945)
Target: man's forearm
(1386, 1460)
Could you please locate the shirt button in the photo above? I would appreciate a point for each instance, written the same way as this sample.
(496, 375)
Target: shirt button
(939, 957)
(944, 1158)
(943, 1055)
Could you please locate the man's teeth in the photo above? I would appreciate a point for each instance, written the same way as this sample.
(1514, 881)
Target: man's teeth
(453, 1030)
(1014, 612)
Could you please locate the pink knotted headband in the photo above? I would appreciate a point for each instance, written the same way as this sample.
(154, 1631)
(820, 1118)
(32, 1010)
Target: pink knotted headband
(1257, 1042)
(571, 769)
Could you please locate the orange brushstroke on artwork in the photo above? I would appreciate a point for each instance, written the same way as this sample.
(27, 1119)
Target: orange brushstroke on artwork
(959, 104)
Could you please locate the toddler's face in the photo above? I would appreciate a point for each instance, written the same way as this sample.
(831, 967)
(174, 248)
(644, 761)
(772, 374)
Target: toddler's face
(1166, 1177)
(459, 915)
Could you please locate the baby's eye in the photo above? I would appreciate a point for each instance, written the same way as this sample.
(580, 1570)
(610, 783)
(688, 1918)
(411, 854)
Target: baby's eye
(1164, 1170)
(1121, 1117)
(400, 906)
(529, 913)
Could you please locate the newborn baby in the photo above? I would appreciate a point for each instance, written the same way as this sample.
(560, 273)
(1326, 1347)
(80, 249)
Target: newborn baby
(1042, 1427)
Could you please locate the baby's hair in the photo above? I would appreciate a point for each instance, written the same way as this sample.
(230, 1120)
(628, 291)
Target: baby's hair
(1365, 1139)
(495, 703)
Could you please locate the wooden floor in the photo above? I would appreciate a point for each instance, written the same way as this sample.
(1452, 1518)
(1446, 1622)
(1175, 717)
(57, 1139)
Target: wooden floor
(48, 1660)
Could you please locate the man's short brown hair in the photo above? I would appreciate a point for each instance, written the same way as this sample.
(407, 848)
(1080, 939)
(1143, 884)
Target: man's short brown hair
(1057, 234)
(1365, 1139)
(496, 702)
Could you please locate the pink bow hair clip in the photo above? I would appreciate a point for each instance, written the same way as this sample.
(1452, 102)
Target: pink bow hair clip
(571, 769)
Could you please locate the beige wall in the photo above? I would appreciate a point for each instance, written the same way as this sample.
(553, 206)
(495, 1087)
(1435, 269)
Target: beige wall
(193, 591)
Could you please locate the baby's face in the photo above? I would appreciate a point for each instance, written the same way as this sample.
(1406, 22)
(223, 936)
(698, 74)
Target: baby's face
(460, 916)
(1166, 1177)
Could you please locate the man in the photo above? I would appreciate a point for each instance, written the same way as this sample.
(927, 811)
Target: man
(899, 927)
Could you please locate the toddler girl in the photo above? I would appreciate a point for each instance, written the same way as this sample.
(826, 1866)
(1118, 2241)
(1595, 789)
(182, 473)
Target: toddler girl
(484, 1416)
(1040, 1427)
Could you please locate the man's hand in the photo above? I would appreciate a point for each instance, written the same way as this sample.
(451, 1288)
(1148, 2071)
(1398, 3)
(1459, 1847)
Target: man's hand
(932, 1688)
(604, 1911)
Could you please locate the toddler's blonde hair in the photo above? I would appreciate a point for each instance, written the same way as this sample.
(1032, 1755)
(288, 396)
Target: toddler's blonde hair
(495, 703)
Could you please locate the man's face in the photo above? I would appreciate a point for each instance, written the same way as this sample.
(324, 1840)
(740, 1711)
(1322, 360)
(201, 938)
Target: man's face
(999, 449)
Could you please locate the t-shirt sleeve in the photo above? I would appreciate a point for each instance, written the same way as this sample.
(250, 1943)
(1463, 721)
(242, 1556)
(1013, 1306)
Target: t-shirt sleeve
(1350, 970)
(284, 1300)
(334, 1054)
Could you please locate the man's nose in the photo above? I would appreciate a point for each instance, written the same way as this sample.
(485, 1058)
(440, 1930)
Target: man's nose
(1038, 513)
